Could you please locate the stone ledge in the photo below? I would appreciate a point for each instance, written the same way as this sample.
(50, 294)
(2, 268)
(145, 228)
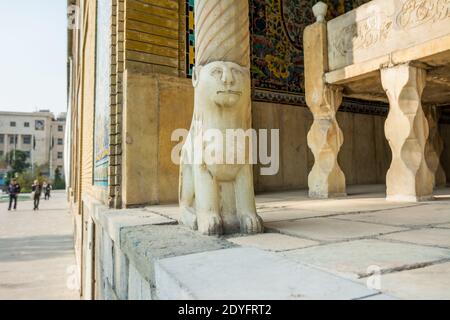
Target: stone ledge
(145, 245)
(113, 221)
(248, 273)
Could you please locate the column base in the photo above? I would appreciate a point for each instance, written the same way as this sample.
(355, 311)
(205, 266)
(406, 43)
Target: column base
(402, 198)
(315, 195)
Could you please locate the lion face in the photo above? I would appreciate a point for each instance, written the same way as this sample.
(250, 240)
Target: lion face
(224, 83)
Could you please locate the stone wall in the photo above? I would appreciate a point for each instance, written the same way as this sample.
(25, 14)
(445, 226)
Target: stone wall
(155, 106)
(128, 246)
(365, 156)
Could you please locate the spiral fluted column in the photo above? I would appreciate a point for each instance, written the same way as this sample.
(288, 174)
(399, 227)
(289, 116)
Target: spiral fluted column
(222, 32)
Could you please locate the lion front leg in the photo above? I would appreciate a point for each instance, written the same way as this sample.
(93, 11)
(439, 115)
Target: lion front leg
(245, 202)
(207, 201)
(187, 196)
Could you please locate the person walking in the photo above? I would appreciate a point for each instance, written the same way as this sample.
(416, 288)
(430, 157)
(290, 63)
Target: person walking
(44, 189)
(47, 188)
(13, 191)
(36, 188)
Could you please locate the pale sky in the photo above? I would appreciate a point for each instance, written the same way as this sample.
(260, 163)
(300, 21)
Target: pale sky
(33, 55)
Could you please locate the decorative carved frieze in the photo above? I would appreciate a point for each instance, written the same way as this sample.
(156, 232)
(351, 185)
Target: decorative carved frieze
(381, 27)
(414, 13)
(362, 35)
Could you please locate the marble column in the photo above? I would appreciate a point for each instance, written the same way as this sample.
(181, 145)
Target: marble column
(409, 178)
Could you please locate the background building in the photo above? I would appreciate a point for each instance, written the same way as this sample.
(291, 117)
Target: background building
(39, 134)
(56, 160)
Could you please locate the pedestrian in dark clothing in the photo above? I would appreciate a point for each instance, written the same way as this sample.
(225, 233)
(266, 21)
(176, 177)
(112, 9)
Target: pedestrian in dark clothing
(13, 190)
(47, 188)
(36, 188)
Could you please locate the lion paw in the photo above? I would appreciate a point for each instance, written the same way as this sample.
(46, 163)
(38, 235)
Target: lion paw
(251, 223)
(210, 225)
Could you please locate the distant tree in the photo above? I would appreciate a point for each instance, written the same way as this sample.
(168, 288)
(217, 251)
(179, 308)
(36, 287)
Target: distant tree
(3, 163)
(17, 159)
(59, 183)
(25, 180)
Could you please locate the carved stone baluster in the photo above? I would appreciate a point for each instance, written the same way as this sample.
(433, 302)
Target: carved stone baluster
(325, 139)
(409, 178)
(434, 146)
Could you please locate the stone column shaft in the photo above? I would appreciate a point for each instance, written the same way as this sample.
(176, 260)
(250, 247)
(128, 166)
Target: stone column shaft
(409, 178)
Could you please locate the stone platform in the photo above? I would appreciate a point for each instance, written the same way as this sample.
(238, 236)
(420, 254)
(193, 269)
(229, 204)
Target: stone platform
(358, 247)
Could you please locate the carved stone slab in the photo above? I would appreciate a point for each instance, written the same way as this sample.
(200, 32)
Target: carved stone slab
(383, 26)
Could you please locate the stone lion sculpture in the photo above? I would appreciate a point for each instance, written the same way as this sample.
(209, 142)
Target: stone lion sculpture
(217, 198)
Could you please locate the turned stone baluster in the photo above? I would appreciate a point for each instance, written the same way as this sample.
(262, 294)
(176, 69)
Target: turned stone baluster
(409, 178)
(435, 146)
(325, 138)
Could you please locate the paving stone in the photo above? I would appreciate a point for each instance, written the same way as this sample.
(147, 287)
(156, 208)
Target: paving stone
(289, 214)
(250, 274)
(171, 211)
(273, 242)
(354, 258)
(262, 200)
(349, 205)
(273, 206)
(433, 237)
(327, 229)
(380, 296)
(412, 216)
(432, 282)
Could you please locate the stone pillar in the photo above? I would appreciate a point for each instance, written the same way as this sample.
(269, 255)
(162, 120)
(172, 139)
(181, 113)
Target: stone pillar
(19, 142)
(325, 138)
(409, 178)
(434, 146)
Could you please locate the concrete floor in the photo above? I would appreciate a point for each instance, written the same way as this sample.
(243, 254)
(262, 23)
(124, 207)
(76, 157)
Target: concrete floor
(37, 260)
(401, 249)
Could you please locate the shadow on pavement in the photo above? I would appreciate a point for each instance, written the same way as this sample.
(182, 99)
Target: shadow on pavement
(35, 248)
